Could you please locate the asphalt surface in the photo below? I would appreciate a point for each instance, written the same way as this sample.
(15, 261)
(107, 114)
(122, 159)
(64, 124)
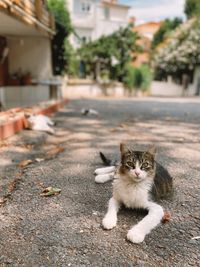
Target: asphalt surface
(65, 230)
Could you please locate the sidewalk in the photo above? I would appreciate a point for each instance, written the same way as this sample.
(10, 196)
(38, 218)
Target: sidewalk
(13, 121)
(65, 230)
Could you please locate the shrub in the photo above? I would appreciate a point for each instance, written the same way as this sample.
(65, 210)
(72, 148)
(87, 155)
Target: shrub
(192, 8)
(137, 78)
(146, 77)
(71, 61)
(112, 52)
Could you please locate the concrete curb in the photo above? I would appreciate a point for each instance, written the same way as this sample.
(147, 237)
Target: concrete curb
(16, 125)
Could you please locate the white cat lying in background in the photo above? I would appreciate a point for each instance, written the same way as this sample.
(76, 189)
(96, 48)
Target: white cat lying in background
(40, 123)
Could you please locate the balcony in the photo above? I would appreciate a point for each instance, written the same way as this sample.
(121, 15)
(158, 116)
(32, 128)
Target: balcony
(33, 13)
(83, 21)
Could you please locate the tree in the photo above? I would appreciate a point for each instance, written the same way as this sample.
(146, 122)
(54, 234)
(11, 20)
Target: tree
(192, 8)
(181, 53)
(71, 61)
(137, 78)
(61, 14)
(64, 57)
(111, 52)
(166, 27)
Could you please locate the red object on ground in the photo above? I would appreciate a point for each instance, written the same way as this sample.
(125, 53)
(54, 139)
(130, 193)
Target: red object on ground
(167, 217)
(15, 125)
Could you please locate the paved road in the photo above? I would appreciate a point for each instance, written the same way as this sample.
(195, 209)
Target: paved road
(65, 230)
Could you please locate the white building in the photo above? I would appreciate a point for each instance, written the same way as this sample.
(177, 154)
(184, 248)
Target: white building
(93, 18)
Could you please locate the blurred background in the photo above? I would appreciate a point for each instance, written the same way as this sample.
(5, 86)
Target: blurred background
(92, 48)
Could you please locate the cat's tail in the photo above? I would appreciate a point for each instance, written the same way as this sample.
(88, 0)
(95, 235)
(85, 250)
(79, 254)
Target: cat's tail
(106, 161)
(106, 173)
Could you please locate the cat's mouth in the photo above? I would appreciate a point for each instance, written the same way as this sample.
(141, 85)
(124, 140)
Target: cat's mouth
(136, 178)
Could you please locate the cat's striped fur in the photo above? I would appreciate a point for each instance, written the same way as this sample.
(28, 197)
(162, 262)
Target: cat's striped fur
(138, 178)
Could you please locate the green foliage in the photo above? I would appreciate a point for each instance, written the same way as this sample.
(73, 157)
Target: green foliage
(70, 56)
(61, 14)
(104, 76)
(147, 77)
(128, 79)
(192, 8)
(112, 52)
(181, 53)
(167, 26)
(65, 57)
(137, 78)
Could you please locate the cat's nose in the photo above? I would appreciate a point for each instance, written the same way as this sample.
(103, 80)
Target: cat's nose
(137, 173)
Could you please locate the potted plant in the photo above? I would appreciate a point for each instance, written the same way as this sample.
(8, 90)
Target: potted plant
(26, 79)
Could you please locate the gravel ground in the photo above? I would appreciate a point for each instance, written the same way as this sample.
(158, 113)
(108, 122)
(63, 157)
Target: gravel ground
(65, 230)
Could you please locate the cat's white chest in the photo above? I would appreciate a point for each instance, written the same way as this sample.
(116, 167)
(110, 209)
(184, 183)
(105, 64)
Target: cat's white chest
(131, 195)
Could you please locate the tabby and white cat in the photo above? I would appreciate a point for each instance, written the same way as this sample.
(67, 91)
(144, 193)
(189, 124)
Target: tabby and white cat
(136, 180)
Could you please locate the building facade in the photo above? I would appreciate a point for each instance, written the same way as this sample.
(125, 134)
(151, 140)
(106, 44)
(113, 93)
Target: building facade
(146, 32)
(93, 18)
(26, 30)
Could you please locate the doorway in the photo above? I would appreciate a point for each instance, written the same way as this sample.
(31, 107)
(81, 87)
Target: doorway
(3, 61)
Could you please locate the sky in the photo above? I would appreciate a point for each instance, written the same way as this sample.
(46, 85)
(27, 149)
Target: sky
(155, 10)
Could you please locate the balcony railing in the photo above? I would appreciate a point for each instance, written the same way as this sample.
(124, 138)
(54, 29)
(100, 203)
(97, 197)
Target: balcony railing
(83, 21)
(32, 12)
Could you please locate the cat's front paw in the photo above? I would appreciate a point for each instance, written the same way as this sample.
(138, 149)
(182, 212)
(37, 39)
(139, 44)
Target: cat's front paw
(103, 178)
(135, 236)
(109, 222)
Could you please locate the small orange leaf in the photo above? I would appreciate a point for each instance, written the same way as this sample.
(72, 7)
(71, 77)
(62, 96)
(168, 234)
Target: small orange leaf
(12, 185)
(113, 130)
(53, 152)
(28, 146)
(25, 163)
(19, 174)
(50, 191)
(4, 144)
(2, 201)
(123, 125)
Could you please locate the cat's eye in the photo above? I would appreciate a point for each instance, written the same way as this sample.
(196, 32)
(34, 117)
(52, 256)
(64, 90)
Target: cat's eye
(145, 165)
(130, 164)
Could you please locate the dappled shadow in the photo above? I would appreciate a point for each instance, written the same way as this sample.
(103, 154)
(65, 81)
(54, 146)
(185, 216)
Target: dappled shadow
(73, 218)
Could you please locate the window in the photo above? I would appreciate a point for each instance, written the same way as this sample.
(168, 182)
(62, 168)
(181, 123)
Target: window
(88, 7)
(85, 7)
(106, 13)
(84, 39)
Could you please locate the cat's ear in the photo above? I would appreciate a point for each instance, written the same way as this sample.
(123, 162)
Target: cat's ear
(152, 150)
(124, 148)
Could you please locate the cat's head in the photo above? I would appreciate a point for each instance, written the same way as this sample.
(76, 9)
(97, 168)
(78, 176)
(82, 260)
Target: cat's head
(137, 165)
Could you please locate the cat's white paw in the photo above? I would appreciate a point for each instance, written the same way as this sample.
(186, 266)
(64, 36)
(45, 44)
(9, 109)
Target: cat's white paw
(103, 178)
(135, 236)
(104, 170)
(109, 222)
